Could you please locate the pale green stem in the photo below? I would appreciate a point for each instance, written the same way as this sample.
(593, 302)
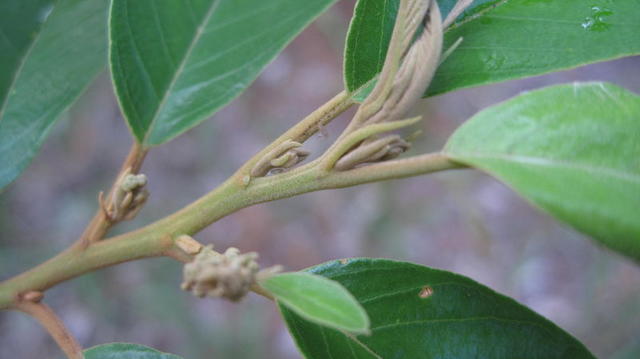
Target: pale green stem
(157, 239)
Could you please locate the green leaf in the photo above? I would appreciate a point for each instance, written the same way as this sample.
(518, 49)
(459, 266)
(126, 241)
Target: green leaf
(367, 41)
(419, 312)
(49, 52)
(125, 351)
(318, 300)
(174, 63)
(573, 150)
(503, 40)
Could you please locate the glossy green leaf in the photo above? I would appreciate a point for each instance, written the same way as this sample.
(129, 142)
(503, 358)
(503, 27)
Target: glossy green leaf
(49, 52)
(420, 312)
(573, 150)
(125, 351)
(174, 63)
(319, 300)
(503, 40)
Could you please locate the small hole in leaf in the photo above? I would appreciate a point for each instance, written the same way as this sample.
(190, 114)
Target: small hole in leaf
(425, 292)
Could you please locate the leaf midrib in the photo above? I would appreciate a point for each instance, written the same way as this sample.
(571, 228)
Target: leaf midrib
(444, 320)
(549, 162)
(459, 320)
(199, 31)
(441, 321)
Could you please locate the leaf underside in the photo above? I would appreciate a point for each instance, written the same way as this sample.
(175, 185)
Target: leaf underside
(573, 150)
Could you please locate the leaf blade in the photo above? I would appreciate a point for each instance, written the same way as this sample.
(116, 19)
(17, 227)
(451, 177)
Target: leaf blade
(563, 40)
(419, 312)
(209, 52)
(498, 45)
(568, 149)
(64, 53)
(318, 299)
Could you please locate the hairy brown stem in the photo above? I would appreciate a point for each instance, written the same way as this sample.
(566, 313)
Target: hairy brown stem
(52, 324)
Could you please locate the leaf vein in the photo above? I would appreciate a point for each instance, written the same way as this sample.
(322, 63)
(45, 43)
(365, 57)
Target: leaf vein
(183, 61)
(541, 161)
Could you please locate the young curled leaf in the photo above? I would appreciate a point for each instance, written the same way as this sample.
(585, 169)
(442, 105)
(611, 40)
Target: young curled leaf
(408, 68)
(373, 150)
(286, 155)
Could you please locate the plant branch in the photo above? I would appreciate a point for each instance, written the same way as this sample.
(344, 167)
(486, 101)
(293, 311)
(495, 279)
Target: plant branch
(158, 238)
(397, 88)
(383, 171)
(101, 223)
(50, 321)
(402, 80)
(302, 131)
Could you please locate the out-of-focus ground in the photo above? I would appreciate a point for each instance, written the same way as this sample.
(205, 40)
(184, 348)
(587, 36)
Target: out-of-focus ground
(462, 221)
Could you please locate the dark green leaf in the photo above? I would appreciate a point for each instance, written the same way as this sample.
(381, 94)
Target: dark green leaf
(503, 40)
(49, 52)
(319, 300)
(174, 63)
(367, 40)
(573, 150)
(419, 312)
(125, 351)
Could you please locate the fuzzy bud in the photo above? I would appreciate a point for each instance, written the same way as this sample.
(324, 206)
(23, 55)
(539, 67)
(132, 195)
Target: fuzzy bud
(229, 275)
(128, 197)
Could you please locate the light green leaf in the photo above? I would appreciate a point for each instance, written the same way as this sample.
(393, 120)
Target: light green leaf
(503, 40)
(319, 300)
(573, 150)
(125, 351)
(420, 312)
(49, 52)
(174, 63)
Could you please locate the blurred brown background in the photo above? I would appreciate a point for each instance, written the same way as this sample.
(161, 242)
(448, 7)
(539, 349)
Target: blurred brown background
(463, 221)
